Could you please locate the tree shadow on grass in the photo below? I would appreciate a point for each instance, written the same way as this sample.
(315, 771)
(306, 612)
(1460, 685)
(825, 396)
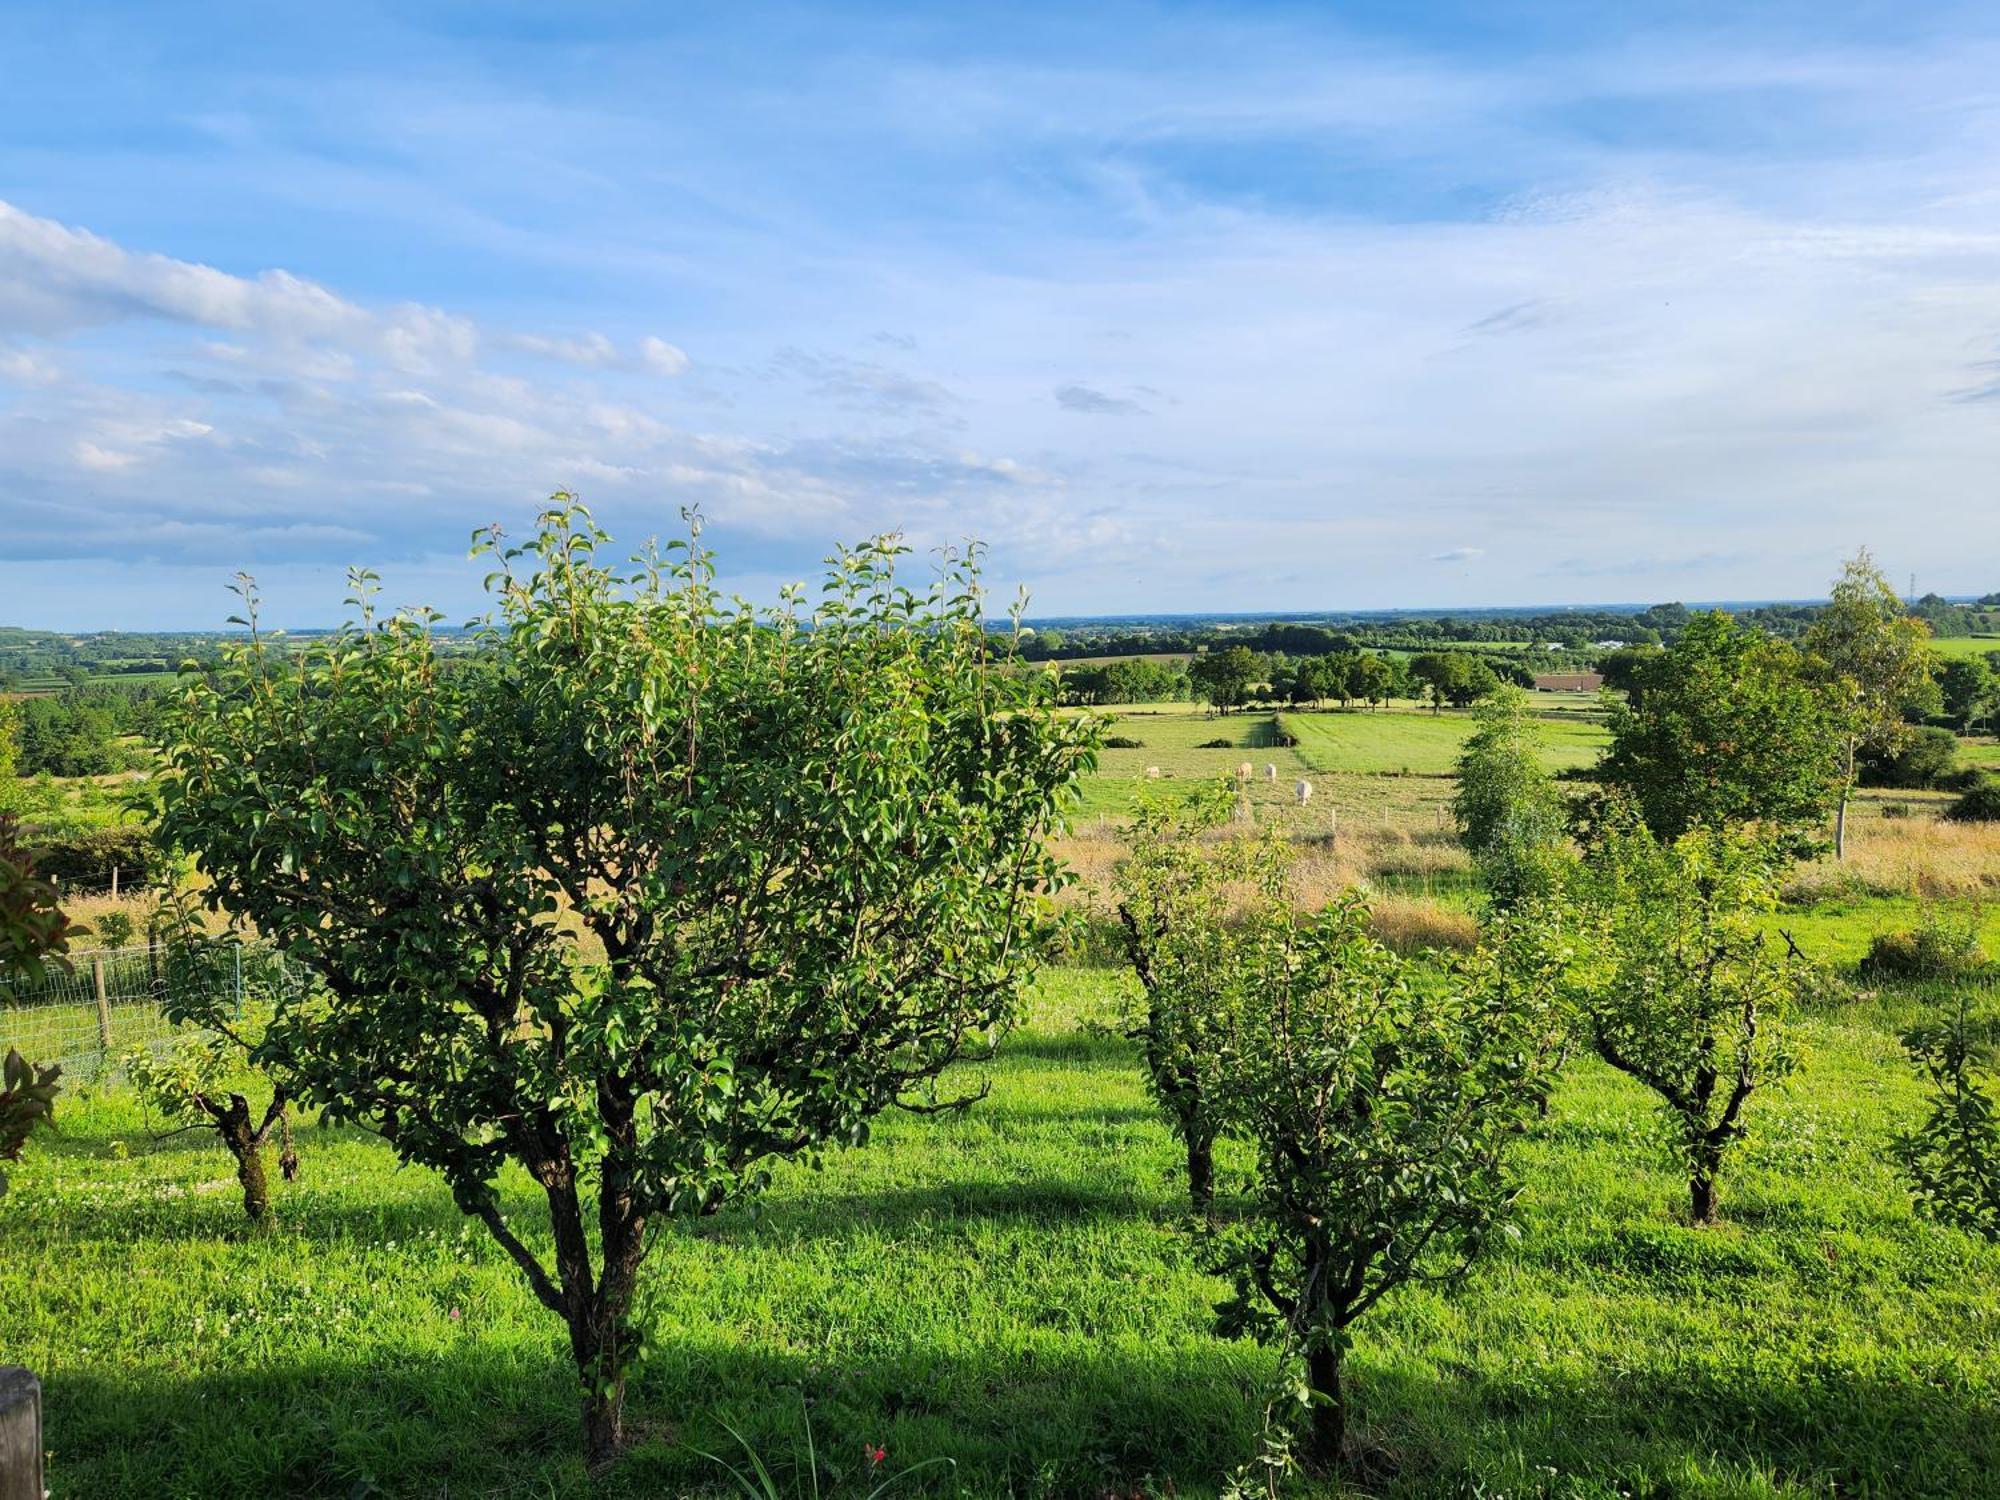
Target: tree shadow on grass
(1822, 1429)
(1097, 1048)
(1056, 1418)
(480, 1421)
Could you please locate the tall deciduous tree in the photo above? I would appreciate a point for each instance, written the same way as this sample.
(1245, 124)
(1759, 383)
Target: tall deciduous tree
(1384, 1100)
(1223, 677)
(1689, 992)
(647, 892)
(1726, 727)
(1870, 651)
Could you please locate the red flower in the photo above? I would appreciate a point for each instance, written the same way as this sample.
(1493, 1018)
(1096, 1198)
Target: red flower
(877, 1454)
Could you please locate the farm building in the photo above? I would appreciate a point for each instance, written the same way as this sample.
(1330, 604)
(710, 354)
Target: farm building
(1568, 682)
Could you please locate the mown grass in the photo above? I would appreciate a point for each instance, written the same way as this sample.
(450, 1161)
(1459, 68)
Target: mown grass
(1017, 1290)
(1414, 742)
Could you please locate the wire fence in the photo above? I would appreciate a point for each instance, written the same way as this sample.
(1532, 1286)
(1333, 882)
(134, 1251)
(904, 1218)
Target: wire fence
(91, 1014)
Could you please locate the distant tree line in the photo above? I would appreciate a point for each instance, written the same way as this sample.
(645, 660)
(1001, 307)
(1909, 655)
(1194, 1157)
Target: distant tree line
(87, 731)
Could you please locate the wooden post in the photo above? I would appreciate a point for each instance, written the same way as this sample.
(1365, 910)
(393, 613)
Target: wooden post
(20, 1434)
(1333, 826)
(103, 1003)
(114, 882)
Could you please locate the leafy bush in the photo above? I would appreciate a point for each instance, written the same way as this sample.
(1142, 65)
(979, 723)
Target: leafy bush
(27, 1097)
(1980, 804)
(1939, 946)
(1123, 742)
(1193, 950)
(1384, 1099)
(1217, 744)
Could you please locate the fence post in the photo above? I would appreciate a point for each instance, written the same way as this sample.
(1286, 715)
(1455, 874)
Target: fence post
(237, 950)
(20, 1434)
(114, 882)
(103, 1003)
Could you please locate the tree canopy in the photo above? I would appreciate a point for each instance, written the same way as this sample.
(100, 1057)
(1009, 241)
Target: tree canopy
(650, 891)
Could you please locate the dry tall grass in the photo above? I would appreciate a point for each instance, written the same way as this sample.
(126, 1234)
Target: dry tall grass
(1909, 856)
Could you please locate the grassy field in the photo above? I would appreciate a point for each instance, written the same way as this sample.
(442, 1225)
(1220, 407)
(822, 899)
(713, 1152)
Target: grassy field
(1017, 1290)
(1965, 645)
(1414, 742)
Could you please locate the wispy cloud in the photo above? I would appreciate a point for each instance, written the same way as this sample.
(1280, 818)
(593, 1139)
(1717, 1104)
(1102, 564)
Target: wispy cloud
(1096, 403)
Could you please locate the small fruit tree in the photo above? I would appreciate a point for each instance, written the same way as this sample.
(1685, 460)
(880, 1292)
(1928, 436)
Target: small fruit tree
(198, 1079)
(646, 891)
(1191, 908)
(1384, 1097)
(1688, 990)
(1953, 1155)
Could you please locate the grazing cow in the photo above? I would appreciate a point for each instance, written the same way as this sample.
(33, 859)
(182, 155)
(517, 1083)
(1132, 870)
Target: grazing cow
(1305, 792)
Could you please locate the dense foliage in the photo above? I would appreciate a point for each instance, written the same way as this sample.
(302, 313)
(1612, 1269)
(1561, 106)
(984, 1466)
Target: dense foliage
(1384, 1099)
(1725, 728)
(650, 892)
(1509, 813)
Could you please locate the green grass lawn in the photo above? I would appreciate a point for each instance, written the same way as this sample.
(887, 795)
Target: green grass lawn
(1017, 1290)
(1416, 742)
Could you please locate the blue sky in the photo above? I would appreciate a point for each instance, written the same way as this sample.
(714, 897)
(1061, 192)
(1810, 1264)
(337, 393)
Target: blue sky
(1178, 307)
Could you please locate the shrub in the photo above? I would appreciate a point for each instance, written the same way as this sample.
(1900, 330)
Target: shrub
(1939, 946)
(1123, 742)
(1217, 744)
(1384, 1100)
(1980, 804)
(1191, 949)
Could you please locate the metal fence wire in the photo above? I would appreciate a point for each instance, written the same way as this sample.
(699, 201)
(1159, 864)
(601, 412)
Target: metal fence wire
(89, 1015)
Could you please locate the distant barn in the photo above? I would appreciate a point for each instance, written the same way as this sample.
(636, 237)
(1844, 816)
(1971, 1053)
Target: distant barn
(1568, 682)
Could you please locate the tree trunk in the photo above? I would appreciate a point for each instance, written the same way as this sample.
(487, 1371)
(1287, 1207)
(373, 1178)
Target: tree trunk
(1328, 1435)
(603, 1422)
(1201, 1171)
(1840, 814)
(247, 1146)
(1701, 1198)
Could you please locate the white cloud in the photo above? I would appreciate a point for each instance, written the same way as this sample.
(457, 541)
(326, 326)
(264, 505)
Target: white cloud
(662, 357)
